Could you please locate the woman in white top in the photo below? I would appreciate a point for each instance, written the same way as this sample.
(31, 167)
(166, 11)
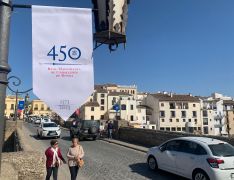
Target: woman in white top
(75, 154)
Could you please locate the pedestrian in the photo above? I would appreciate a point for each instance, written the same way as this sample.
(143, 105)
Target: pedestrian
(75, 156)
(110, 129)
(53, 159)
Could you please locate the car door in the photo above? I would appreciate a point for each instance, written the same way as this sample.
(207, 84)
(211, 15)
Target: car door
(167, 155)
(189, 156)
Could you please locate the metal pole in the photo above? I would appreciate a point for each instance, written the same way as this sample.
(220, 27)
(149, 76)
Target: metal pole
(5, 15)
(16, 105)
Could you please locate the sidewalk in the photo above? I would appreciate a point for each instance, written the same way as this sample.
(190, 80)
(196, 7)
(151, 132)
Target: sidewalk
(127, 145)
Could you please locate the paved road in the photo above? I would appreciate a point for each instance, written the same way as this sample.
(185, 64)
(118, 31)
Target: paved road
(103, 161)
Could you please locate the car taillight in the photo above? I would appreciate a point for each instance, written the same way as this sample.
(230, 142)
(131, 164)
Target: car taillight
(214, 163)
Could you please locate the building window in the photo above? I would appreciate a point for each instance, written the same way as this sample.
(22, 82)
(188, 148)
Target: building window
(143, 117)
(205, 121)
(42, 107)
(102, 108)
(204, 113)
(6, 106)
(102, 101)
(162, 113)
(189, 120)
(179, 129)
(184, 120)
(139, 110)
(153, 127)
(183, 114)
(132, 118)
(173, 114)
(123, 107)
(170, 120)
(194, 105)
(195, 121)
(113, 100)
(194, 113)
(185, 105)
(162, 128)
(131, 107)
(183, 129)
(162, 104)
(172, 105)
(102, 95)
(102, 116)
(92, 117)
(173, 129)
(92, 108)
(36, 107)
(12, 107)
(163, 120)
(167, 129)
(48, 108)
(177, 120)
(205, 129)
(199, 128)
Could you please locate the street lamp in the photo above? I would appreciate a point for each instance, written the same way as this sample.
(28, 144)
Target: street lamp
(26, 101)
(110, 22)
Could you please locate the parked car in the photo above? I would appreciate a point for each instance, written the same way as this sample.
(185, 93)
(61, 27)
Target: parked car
(37, 120)
(49, 129)
(45, 119)
(196, 158)
(85, 129)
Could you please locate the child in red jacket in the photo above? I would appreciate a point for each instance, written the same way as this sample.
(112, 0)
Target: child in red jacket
(53, 160)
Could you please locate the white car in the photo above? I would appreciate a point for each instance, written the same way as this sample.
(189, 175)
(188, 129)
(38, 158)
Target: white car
(37, 120)
(49, 129)
(43, 120)
(196, 158)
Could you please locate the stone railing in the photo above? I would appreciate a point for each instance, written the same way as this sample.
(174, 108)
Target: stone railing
(149, 138)
(26, 164)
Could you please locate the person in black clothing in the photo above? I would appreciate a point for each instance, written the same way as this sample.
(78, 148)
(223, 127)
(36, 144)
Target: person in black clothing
(110, 129)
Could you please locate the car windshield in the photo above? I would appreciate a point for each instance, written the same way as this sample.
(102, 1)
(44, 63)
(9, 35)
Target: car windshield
(222, 149)
(90, 123)
(50, 125)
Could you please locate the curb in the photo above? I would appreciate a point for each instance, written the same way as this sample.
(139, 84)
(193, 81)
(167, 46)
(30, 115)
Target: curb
(124, 145)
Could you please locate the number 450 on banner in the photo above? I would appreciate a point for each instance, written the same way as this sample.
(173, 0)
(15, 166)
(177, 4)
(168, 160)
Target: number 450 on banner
(73, 53)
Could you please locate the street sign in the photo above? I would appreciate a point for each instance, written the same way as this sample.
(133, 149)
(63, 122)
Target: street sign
(116, 107)
(21, 105)
(62, 57)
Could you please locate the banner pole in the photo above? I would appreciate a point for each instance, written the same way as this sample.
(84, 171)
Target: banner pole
(5, 16)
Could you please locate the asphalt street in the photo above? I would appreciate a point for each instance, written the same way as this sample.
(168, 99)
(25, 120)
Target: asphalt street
(103, 160)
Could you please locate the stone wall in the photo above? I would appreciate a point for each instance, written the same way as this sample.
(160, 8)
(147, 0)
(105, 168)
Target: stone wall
(149, 138)
(26, 164)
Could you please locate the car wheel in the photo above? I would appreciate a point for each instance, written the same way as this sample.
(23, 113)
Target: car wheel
(152, 163)
(38, 135)
(200, 175)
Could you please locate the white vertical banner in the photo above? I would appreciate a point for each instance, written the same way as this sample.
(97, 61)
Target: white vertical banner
(62, 45)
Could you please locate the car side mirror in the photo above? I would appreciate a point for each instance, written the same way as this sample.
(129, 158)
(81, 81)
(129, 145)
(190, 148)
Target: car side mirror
(162, 148)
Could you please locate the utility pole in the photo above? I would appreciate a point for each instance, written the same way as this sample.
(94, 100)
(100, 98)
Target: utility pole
(5, 15)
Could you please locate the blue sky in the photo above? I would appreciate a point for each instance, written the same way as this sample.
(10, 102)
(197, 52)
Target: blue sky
(183, 46)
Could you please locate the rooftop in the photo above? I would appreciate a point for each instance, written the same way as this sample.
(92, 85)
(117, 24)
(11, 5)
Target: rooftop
(119, 94)
(175, 97)
(96, 104)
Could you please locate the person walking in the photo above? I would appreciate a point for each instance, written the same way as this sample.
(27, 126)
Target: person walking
(53, 160)
(75, 155)
(110, 129)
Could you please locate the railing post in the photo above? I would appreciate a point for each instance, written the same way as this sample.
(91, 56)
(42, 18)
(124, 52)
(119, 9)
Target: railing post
(5, 15)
